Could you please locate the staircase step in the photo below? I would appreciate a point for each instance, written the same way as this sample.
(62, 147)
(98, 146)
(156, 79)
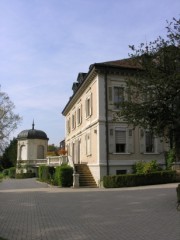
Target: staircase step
(85, 177)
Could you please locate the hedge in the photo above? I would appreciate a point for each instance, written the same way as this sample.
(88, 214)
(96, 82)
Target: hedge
(25, 175)
(46, 173)
(178, 193)
(1, 176)
(60, 176)
(130, 180)
(5, 172)
(12, 172)
(63, 176)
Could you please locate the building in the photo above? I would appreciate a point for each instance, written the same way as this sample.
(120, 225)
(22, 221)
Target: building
(96, 134)
(32, 147)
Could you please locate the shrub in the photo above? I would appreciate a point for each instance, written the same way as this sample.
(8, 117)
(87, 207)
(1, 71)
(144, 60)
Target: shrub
(130, 180)
(46, 173)
(25, 175)
(1, 176)
(5, 172)
(43, 173)
(63, 176)
(51, 171)
(138, 167)
(12, 172)
(142, 167)
(178, 193)
(171, 157)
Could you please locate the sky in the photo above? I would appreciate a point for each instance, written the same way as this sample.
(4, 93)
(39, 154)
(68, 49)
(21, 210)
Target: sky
(44, 44)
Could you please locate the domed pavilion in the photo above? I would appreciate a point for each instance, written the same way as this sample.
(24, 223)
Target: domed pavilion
(32, 145)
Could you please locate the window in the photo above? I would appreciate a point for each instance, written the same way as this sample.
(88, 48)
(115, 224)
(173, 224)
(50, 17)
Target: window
(88, 144)
(119, 172)
(79, 115)
(23, 152)
(74, 121)
(149, 142)
(88, 106)
(120, 141)
(40, 152)
(118, 97)
(68, 126)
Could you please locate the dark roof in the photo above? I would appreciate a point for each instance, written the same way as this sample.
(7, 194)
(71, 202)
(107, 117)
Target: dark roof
(123, 63)
(32, 134)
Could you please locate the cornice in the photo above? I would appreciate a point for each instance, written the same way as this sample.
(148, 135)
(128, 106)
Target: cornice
(90, 76)
(95, 69)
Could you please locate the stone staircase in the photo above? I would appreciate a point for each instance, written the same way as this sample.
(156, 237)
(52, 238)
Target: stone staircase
(85, 177)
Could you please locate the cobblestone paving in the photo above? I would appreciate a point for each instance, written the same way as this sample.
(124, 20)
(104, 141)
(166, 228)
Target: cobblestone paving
(34, 211)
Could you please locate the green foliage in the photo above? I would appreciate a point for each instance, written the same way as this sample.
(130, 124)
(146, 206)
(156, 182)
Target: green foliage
(1, 176)
(51, 171)
(57, 176)
(178, 193)
(5, 172)
(46, 173)
(63, 176)
(171, 157)
(9, 156)
(52, 148)
(60, 176)
(12, 172)
(8, 119)
(130, 180)
(154, 100)
(25, 175)
(138, 167)
(43, 173)
(142, 167)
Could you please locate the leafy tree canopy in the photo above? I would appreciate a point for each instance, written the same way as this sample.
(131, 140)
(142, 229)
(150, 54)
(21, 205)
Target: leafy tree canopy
(154, 92)
(8, 119)
(9, 156)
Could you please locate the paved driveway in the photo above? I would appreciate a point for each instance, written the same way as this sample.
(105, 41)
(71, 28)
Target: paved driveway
(34, 211)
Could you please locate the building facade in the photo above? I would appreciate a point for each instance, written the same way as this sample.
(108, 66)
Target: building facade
(96, 133)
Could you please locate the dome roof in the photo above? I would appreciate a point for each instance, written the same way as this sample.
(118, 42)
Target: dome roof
(32, 134)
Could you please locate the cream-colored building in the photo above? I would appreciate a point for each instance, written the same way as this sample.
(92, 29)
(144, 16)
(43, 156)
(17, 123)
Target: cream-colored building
(96, 134)
(32, 147)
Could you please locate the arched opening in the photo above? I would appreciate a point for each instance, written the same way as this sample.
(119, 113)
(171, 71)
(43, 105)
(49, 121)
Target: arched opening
(40, 152)
(23, 155)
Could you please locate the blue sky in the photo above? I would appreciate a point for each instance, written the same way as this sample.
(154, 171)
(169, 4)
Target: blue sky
(44, 44)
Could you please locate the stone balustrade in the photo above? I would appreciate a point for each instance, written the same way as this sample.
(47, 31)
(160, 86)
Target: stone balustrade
(49, 161)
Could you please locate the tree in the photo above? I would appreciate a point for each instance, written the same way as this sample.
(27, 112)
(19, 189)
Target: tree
(8, 119)
(154, 92)
(52, 150)
(9, 156)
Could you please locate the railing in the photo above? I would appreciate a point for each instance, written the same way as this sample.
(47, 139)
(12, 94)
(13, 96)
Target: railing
(71, 163)
(56, 160)
(50, 161)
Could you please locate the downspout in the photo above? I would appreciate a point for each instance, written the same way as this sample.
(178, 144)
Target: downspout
(107, 127)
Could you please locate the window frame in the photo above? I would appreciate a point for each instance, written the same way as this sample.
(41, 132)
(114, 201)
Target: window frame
(88, 105)
(88, 144)
(79, 115)
(73, 123)
(151, 141)
(68, 125)
(123, 144)
(120, 96)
